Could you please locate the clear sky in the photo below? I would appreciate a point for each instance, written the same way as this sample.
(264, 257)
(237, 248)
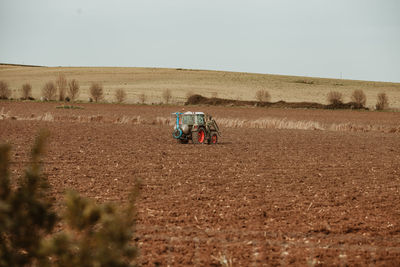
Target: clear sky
(358, 38)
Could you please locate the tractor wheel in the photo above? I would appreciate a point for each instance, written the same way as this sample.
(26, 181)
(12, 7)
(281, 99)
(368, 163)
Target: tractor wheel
(214, 138)
(199, 136)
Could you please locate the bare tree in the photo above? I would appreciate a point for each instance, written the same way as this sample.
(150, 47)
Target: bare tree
(49, 91)
(5, 92)
(359, 98)
(73, 89)
(120, 95)
(167, 95)
(96, 91)
(214, 94)
(335, 98)
(263, 96)
(26, 91)
(382, 101)
(61, 83)
(142, 98)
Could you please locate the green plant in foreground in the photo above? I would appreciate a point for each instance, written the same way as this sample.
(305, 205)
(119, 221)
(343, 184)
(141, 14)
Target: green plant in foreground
(97, 235)
(25, 212)
(94, 235)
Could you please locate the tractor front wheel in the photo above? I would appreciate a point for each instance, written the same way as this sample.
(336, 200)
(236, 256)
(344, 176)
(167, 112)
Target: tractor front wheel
(199, 136)
(214, 138)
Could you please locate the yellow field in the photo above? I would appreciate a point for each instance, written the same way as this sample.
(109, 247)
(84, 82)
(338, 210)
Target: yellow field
(232, 85)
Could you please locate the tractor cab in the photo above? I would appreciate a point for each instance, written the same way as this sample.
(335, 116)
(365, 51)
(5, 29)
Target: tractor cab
(188, 118)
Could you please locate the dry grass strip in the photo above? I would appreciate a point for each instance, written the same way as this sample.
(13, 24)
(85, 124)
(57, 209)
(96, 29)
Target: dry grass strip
(262, 123)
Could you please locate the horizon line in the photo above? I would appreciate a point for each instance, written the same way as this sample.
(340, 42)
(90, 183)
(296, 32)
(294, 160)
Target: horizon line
(191, 69)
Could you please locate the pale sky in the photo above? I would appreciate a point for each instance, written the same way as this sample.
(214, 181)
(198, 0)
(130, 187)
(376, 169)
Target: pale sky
(321, 38)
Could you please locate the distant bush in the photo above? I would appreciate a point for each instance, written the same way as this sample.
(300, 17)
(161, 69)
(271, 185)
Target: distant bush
(94, 235)
(382, 101)
(359, 98)
(5, 92)
(263, 96)
(305, 81)
(96, 91)
(26, 91)
(335, 98)
(120, 95)
(61, 83)
(167, 95)
(49, 91)
(189, 94)
(142, 98)
(73, 89)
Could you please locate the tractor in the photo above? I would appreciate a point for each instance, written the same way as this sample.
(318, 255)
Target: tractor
(196, 126)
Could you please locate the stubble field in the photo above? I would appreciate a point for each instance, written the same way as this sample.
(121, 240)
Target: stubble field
(181, 82)
(271, 195)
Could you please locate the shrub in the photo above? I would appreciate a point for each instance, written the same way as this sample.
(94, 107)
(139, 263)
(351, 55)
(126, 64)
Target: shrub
(120, 95)
(335, 98)
(263, 96)
(305, 81)
(26, 91)
(359, 98)
(73, 89)
(142, 98)
(61, 83)
(96, 91)
(5, 92)
(189, 94)
(28, 216)
(167, 95)
(382, 101)
(94, 235)
(49, 91)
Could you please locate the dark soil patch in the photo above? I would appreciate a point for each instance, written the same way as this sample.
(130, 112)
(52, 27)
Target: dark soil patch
(201, 100)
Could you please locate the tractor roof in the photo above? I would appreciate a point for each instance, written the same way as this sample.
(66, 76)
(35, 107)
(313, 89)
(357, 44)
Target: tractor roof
(189, 113)
(197, 113)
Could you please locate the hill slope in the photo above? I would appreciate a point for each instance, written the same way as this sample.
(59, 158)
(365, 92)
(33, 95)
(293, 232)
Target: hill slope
(231, 85)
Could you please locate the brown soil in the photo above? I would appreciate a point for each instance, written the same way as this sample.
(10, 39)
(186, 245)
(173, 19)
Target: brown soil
(260, 197)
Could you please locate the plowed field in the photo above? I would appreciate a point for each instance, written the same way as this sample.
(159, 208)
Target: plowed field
(259, 197)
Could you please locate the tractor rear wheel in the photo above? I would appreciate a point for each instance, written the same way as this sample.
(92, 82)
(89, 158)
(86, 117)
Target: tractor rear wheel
(214, 138)
(199, 136)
